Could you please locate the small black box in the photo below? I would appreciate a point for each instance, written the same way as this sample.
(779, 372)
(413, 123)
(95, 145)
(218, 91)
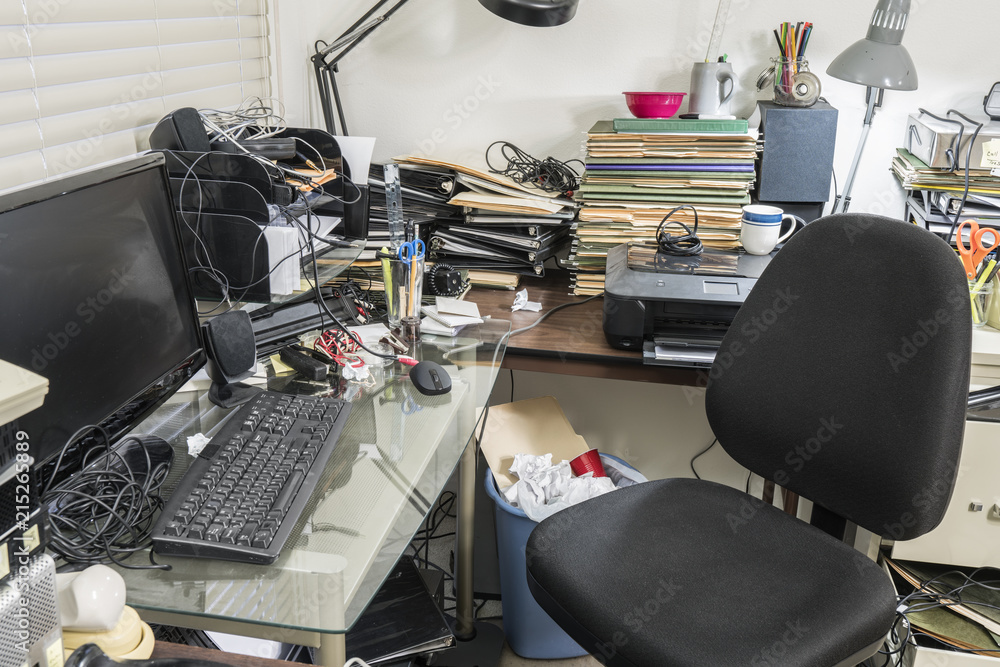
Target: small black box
(797, 160)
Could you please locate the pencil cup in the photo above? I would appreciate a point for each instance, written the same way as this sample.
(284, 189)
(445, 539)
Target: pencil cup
(981, 298)
(993, 310)
(409, 287)
(395, 285)
(794, 84)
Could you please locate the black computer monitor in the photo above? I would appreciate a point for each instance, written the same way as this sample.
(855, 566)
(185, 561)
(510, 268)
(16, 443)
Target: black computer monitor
(94, 297)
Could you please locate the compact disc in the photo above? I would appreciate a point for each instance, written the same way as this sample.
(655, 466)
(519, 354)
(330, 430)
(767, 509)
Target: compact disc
(805, 88)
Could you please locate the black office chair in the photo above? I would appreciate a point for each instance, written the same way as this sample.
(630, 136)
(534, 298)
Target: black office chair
(843, 378)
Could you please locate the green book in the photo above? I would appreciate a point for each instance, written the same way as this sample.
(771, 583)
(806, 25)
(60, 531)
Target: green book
(682, 125)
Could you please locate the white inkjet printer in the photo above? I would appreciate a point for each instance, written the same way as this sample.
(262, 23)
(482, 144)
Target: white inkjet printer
(676, 309)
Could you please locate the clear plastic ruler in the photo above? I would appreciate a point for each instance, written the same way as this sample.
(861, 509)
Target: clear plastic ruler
(394, 205)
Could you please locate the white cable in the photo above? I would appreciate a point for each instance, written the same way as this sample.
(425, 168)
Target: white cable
(356, 662)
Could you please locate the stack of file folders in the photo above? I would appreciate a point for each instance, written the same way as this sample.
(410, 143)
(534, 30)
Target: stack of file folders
(500, 226)
(939, 194)
(637, 170)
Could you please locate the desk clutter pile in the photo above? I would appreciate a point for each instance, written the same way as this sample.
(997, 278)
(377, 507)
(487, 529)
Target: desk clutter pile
(489, 227)
(637, 170)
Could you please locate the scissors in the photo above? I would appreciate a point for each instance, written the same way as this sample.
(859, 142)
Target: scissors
(410, 251)
(410, 406)
(973, 255)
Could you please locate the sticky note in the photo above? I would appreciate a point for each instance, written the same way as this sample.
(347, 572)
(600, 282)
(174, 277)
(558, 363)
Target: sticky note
(991, 154)
(54, 656)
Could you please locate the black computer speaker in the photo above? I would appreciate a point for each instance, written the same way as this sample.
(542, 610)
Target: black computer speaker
(232, 353)
(180, 130)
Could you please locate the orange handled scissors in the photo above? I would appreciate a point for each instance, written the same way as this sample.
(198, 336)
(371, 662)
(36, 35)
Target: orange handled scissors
(977, 249)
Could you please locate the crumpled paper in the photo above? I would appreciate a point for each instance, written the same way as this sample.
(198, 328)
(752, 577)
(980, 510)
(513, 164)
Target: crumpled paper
(521, 303)
(543, 489)
(196, 443)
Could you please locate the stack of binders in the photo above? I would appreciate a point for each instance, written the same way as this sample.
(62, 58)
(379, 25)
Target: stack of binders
(501, 226)
(425, 194)
(637, 170)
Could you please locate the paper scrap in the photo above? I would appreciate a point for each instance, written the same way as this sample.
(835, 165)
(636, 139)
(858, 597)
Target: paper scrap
(447, 305)
(521, 303)
(196, 443)
(280, 367)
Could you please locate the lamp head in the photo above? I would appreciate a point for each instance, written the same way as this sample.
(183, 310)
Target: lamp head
(537, 13)
(879, 60)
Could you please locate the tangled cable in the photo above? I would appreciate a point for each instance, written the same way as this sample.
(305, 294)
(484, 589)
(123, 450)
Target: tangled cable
(254, 119)
(679, 245)
(339, 346)
(550, 174)
(102, 514)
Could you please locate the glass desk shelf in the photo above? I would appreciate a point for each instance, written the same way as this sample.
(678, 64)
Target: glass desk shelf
(330, 263)
(397, 451)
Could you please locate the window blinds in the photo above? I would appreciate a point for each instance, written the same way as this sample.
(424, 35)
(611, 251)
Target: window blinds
(84, 81)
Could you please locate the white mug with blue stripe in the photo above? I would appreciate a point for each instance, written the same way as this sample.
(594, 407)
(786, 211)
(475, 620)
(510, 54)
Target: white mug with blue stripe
(761, 228)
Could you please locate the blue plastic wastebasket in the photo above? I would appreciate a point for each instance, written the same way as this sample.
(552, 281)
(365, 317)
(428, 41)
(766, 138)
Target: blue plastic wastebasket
(530, 632)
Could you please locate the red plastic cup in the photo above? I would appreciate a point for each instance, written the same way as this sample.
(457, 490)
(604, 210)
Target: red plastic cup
(589, 461)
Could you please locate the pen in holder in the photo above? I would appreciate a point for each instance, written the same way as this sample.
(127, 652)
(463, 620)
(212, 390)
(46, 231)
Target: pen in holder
(403, 276)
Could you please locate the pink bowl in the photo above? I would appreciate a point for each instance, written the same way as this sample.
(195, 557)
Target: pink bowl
(654, 105)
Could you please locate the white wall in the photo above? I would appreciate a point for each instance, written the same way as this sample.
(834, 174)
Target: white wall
(447, 78)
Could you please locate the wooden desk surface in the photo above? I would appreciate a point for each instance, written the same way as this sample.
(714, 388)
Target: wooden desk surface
(163, 650)
(571, 341)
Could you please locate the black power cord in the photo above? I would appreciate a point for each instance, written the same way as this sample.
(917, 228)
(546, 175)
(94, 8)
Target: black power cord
(679, 245)
(549, 175)
(103, 514)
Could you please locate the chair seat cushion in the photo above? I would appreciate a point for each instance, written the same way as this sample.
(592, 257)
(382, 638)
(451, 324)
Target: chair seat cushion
(689, 572)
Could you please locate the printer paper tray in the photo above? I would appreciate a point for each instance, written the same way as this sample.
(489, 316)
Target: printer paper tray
(678, 355)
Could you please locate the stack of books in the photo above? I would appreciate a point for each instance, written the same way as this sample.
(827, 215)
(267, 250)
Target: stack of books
(637, 170)
(500, 227)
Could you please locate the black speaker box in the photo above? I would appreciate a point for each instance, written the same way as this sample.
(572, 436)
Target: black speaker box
(232, 353)
(796, 164)
(180, 130)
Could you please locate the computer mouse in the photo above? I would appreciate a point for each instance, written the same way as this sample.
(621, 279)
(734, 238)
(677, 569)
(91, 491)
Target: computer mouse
(430, 379)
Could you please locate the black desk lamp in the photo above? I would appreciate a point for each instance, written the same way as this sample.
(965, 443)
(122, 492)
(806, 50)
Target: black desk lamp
(538, 13)
(878, 62)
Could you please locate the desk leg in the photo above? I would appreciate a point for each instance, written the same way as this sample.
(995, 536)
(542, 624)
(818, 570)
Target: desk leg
(465, 626)
(332, 650)
(479, 644)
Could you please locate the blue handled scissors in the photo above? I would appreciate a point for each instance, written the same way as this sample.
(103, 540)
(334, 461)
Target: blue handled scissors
(410, 251)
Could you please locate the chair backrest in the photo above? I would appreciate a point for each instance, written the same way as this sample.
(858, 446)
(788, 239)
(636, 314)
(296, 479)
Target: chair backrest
(845, 375)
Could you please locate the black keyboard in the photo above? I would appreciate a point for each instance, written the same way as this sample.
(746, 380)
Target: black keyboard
(243, 494)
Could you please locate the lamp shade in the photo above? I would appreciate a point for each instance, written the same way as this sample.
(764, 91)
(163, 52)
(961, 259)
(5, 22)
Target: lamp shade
(879, 60)
(538, 13)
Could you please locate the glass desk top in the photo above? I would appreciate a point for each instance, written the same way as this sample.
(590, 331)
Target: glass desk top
(396, 452)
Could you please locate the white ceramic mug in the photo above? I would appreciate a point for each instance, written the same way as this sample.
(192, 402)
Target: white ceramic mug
(761, 228)
(709, 85)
